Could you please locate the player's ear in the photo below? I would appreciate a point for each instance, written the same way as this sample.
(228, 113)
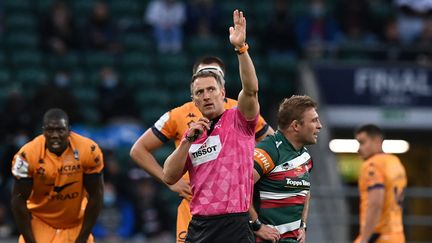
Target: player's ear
(223, 92)
(295, 125)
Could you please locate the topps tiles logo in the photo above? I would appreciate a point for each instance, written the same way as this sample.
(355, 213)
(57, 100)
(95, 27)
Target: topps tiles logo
(297, 183)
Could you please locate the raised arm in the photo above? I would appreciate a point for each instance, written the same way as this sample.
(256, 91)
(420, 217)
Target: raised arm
(248, 96)
(22, 189)
(141, 153)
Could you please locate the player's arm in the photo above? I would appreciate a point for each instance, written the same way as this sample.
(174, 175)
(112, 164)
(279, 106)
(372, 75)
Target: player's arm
(141, 153)
(374, 209)
(175, 164)
(248, 96)
(93, 184)
(269, 131)
(265, 232)
(302, 236)
(21, 191)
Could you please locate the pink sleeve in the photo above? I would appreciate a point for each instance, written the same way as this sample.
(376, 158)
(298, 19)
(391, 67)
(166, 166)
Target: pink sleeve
(246, 127)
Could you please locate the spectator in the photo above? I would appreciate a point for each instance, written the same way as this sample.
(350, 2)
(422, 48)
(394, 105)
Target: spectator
(424, 41)
(167, 18)
(1, 17)
(153, 220)
(100, 33)
(116, 220)
(280, 34)
(425, 38)
(56, 93)
(202, 17)
(59, 33)
(5, 227)
(411, 18)
(114, 96)
(15, 115)
(354, 19)
(317, 29)
(11, 145)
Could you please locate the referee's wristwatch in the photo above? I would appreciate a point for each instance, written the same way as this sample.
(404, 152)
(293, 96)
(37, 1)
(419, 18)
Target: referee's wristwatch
(255, 225)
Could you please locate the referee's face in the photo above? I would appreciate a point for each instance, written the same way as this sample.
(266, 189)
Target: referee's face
(208, 96)
(56, 132)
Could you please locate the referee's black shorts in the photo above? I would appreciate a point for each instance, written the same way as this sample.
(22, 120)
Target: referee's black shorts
(225, 228)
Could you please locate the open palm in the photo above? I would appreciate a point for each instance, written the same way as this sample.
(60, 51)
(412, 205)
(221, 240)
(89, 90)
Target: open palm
(238, 32)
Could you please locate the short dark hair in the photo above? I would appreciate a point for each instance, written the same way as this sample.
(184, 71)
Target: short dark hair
(371, 130)
(208, 60)
(203, 74)
(55, 114)
(292, 108)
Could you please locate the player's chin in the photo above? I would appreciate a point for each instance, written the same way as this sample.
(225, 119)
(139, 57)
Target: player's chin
(208, 112)
(313, 140)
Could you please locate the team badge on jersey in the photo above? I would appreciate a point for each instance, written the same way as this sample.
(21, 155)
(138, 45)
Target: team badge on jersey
(20, 168)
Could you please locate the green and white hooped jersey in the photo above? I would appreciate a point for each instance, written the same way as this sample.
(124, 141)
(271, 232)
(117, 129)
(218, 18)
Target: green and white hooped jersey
(284, 184)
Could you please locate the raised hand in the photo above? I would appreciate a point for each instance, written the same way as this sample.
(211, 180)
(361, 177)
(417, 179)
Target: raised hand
(238, 31)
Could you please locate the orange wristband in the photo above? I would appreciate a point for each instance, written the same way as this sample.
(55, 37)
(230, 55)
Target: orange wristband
(242, 49)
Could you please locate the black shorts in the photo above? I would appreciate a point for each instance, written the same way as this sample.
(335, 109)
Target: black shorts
(224, 228)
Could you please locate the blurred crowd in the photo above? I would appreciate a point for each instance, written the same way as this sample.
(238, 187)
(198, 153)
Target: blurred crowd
(389, 30)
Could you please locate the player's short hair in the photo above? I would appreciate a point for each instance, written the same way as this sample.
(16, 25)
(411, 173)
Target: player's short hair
(371, 130)
(292, 108)
(209, 60)
(206, 73)
(55, 114)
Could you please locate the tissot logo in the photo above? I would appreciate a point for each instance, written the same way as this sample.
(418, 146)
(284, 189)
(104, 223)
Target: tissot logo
(205, 152)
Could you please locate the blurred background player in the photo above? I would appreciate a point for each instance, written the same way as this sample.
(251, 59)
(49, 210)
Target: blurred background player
(282, 173)
(58, 191)
(382, 182)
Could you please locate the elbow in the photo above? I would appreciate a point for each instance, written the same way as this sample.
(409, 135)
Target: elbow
(133, 152)
(251, 92)
(136, 152)
(169, 180)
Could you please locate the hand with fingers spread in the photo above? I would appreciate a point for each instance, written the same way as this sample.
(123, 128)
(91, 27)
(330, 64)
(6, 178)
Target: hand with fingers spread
(238, 31)
(269, 233)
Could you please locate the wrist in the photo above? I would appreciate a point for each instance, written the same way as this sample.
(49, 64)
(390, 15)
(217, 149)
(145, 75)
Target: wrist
(255, 225)
(191, 138)
(242, 49)
(303, 225)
